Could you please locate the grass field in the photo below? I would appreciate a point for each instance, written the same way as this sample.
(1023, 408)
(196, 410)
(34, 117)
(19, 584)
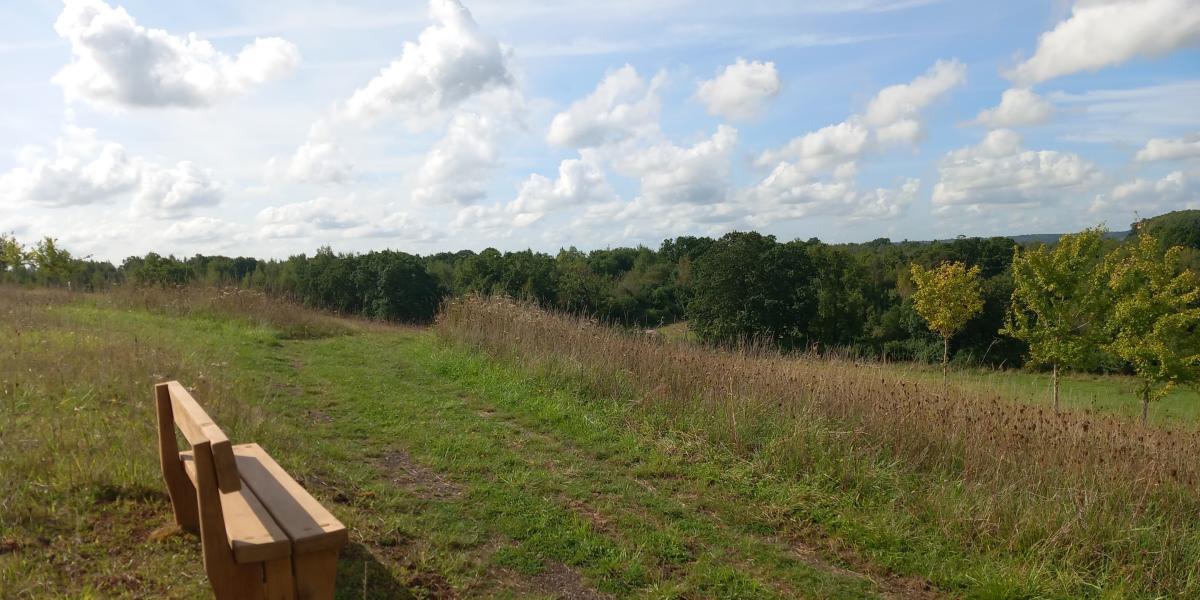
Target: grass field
(464, 471)
(1112, 394)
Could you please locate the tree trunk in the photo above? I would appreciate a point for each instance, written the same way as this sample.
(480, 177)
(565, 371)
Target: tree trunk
(945, 357)
(1145, 406)
(1054, 386)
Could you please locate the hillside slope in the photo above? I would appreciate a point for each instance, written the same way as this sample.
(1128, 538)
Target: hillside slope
(464, 473)
(457, 476)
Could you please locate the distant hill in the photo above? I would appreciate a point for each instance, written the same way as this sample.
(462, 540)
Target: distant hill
(1178, 228)
(1043, 238)
(1052, 238)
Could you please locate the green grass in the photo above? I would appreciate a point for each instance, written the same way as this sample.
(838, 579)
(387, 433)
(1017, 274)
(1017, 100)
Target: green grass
(1112, 394)
(453, 472)
(457, 474)
(678, 332)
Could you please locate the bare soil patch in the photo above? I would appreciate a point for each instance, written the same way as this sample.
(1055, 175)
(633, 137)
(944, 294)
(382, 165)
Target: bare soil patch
(403, 471)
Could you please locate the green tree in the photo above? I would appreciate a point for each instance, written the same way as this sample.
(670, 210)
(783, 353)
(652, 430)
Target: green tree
(13, 258)
(580, 290)
(53, 263)
(1178, 228)
(1060, 302)
(1155, 324)
(396, 287)
(947, 296)
(748, 287)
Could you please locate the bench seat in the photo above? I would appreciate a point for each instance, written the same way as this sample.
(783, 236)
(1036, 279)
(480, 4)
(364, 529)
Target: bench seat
(271, 516)
(253, 534)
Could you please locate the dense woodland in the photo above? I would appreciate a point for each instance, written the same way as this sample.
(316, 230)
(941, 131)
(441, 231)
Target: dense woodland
(856, 298)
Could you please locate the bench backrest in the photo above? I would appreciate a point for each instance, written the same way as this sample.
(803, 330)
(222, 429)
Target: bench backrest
(176, 407)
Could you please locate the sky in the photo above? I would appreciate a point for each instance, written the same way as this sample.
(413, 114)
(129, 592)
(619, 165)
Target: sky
(272, 128)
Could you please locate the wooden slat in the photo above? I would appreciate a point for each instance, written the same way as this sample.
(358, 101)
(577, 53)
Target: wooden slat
(251, 530)
(198, 428)
(310, 526)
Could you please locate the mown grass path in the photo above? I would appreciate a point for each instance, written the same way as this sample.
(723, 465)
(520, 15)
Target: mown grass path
(458, 476)
(487, 484)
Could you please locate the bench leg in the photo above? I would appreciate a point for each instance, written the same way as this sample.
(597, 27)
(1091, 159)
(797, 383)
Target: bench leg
(187, 514)
(279, 580)
(316, 574)
(231, 581)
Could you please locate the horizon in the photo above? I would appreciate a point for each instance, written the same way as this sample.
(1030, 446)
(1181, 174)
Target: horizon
(275, 129)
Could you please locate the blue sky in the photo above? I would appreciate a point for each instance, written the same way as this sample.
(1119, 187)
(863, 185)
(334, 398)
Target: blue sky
(272, 128)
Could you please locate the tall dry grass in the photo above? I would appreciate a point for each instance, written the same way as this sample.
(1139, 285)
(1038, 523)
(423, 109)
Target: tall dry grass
(255, 307)
(76, 398)
(1093, 500)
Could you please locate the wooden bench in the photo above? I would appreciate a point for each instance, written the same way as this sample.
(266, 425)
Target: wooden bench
(262, 535)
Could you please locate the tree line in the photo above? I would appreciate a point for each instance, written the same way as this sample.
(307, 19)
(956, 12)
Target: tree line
(879, 299)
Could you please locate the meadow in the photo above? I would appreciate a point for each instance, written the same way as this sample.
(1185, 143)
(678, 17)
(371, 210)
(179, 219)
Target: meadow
(512, 452)
(1087, 392)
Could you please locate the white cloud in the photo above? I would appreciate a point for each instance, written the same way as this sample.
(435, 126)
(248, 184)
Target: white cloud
(904, 131)
(117, 62)
(998, 171)
(397, 225)
(883, 203)
(201, 229)
(1146, 198)
(821, 149)
(1018, 107)
(174, 192)
(671, 174)
(452, 69)
(342, 218)
(85, 170)
(450, 62)
(302, 218)
(893, 115)
(489, 221)
(317, 161)
(795, 189)
(1170, 149)
(580, 183)
(457, 169)
(82, 170)
(1103, 33)
(623, 106)
(896, 108)
(682, 189)
(643, 221)
(790, 193)
(741, 91)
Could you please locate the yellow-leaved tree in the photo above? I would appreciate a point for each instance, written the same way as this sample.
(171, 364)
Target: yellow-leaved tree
(1155, 323)
(947, 297)
(12, 255)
